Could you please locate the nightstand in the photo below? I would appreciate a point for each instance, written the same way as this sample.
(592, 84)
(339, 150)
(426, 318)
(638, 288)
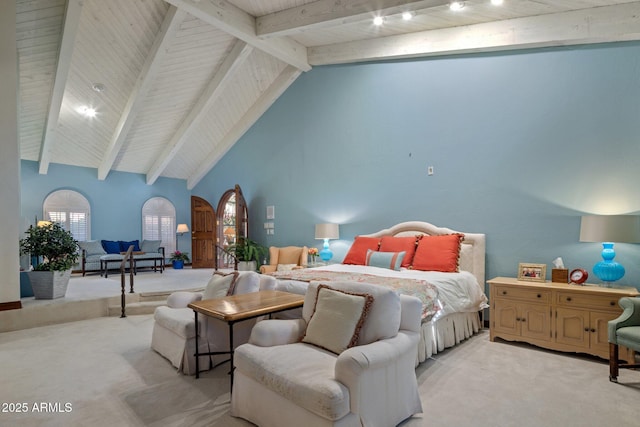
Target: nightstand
(557, 316)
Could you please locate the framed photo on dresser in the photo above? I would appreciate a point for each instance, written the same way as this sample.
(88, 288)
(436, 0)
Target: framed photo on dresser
(532, 272)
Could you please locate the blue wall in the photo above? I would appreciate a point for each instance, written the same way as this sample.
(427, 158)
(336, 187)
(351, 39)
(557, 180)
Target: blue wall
(116, 203)
(522, 144)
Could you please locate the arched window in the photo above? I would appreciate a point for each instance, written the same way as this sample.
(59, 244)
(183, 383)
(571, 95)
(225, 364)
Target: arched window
(159, 222)
(72, 210)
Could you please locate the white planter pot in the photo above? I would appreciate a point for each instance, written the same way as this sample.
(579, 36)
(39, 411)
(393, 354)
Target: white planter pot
(247, 266)
(49, 284)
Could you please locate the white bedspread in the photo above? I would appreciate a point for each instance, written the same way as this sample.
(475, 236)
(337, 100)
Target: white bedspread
(457, 292)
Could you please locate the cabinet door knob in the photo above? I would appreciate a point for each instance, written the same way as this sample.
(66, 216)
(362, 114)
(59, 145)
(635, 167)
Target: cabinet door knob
(593, 330)
(612, 303)
(586, 329)
(504, 292)
(568, 298)
(539, 296)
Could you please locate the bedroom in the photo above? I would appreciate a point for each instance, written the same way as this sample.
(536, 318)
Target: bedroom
(521, 144)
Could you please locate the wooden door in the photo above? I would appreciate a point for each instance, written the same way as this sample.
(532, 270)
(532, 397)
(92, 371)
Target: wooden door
(599, 323)
(203, 233)
(572, 328)
(232, 225)
(535, 322)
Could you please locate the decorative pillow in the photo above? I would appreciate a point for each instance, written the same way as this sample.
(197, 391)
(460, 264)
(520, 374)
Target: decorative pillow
(124, 246)
(111, 247)
(92, 247)
(390, 260)
(337, 319)
(399, 244)
(358, 252)
(220, 285)
(285, 267)
(438, 253)
(150, 246)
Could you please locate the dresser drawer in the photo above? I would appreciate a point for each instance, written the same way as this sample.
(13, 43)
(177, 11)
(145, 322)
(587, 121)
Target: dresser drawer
(531, 295)
(596, 302)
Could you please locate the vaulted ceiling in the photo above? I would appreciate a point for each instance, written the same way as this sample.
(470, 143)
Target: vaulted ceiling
(174, 84)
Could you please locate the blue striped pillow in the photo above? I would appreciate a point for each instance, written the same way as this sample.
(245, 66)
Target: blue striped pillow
(390, 260)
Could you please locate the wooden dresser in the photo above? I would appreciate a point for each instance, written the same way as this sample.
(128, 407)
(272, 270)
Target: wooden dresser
(557, 316)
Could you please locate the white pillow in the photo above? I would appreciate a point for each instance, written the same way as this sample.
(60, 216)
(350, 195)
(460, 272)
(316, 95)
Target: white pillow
(337, 319)
(285, 267)
(220, 285)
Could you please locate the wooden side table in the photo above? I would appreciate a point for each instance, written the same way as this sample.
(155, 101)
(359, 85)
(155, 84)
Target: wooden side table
(235, 308)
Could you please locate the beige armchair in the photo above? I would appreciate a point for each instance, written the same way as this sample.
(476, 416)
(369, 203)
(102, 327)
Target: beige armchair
(290, 256)
(308, 372)
(174, 330)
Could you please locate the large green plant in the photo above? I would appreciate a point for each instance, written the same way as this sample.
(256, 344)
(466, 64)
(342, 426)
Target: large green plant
(53, 247)
(248, 250)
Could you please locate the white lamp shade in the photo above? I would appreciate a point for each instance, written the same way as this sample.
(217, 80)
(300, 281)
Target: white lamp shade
(182, 228)
(327, 231)
(610, 228)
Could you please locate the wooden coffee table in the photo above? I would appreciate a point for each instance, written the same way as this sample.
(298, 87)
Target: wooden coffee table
(236, 308)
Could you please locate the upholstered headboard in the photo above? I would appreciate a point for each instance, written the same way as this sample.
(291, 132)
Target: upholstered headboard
(472, 256)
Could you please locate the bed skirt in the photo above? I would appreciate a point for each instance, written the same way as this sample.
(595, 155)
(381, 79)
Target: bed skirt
(446, 332)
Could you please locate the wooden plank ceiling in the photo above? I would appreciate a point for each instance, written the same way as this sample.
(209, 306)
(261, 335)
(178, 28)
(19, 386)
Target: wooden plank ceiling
(174, 84)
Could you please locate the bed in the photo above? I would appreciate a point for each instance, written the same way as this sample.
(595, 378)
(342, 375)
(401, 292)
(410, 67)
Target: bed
(452, 301)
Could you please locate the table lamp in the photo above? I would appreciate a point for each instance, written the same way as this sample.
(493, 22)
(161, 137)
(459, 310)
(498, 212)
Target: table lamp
(326, 232)
(608, 229)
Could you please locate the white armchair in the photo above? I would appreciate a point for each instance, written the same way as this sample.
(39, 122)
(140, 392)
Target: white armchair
(284, 377)
(174, 324)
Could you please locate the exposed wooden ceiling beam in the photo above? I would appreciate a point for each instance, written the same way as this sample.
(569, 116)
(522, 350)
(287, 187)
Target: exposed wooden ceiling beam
(216, 86)
(268, 97)
(329, 13)
(594, 25)
(170, 25)
(71, 21)
(238, 23)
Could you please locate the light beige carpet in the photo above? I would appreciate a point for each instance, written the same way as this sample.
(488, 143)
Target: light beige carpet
(101, 372)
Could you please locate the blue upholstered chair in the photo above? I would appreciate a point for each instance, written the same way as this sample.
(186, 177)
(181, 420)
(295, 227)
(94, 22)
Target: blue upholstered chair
(625, 331)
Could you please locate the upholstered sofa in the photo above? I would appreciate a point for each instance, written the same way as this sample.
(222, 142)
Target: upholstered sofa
(99, 255)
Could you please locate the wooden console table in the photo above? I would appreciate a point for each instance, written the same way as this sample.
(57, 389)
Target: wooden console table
(557, 316)
(235, 308)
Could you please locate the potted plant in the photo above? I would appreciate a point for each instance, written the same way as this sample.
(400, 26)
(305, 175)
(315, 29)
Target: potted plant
(248, 254)
(178, 259)
(53, 252)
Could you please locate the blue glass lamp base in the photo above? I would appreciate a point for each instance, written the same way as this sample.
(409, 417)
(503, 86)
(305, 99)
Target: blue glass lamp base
(325, 253)
(608, 270)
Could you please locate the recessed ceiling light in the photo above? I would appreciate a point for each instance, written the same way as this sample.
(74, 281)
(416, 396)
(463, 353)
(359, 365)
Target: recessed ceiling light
(98, 87)
(407, 15)
(456, 5)
(87, 111)
(497, 2)
(378, 20)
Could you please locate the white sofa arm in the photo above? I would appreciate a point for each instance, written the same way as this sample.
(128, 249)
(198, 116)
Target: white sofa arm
(271, 332)
(386, 363)
(182, 299)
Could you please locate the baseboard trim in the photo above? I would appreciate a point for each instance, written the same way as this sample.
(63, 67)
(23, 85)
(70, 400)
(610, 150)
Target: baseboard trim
(11, 305)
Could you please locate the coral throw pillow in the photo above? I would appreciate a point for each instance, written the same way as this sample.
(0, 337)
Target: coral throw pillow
(358, 252)
(438, 253)
(400, 244)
